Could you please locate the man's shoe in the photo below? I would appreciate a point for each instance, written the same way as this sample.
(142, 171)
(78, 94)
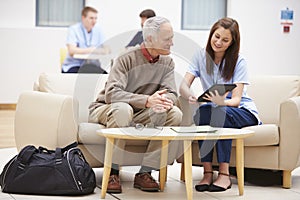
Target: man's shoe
(114, 185)
(144, 181)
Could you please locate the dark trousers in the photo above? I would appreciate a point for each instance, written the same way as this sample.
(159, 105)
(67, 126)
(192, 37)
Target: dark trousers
(88, 68)
(221, 116)
(72, 70)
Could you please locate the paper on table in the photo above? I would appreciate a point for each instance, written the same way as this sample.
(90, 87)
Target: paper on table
(194, 129)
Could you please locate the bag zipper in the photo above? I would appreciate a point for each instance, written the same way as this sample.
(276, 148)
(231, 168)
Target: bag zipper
(77, 182)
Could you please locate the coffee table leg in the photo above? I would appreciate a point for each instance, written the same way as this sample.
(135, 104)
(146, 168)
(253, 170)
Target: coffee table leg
(240, 164)
(107, 165)
(188, 168)
(163, 164)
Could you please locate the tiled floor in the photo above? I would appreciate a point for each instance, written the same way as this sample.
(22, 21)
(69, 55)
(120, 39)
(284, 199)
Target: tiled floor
(174, 189)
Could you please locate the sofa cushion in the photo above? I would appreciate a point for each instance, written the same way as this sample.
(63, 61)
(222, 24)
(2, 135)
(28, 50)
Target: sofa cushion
(83, 87)
(264, 135)
(69, 83)
(87, 134)
(57, 83)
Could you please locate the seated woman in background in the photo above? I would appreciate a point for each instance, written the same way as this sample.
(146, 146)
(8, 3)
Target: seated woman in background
(220, 63)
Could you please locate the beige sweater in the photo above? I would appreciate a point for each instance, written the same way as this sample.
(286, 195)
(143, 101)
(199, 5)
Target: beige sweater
(132, 79)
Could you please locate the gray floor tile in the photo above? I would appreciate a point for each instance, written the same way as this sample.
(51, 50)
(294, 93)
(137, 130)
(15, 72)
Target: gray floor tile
(4, 196)
(94, 196)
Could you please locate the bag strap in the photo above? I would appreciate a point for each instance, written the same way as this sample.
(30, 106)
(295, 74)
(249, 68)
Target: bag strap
(58, 156)
(26, 154)
(60, 151)
(43, 149)
(70, 146)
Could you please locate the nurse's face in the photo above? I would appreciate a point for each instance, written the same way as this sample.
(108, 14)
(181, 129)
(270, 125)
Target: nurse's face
(221, 40)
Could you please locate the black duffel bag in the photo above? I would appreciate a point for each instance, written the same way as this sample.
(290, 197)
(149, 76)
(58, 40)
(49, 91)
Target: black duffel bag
(63, 171)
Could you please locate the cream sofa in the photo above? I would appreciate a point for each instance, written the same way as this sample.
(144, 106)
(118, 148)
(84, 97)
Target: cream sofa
(276, 143)
(55, 114)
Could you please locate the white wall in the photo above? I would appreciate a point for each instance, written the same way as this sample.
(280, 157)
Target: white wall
(28, 50)
(268, 49)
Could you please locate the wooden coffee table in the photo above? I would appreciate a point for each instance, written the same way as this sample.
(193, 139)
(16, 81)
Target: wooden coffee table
(167, 134)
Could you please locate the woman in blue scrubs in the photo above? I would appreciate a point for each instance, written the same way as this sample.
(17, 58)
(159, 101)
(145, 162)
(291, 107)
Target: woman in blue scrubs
(220, 63)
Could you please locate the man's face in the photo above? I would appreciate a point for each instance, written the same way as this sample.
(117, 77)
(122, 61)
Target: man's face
(89, 20)
(162, 44)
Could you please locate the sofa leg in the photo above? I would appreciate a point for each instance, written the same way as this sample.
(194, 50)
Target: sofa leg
(182, 177)
(287, 179)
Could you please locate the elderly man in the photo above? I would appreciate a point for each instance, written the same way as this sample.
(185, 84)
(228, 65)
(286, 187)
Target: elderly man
(141, 90)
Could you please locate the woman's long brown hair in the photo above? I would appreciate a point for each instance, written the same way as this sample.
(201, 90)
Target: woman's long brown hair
(231, 53)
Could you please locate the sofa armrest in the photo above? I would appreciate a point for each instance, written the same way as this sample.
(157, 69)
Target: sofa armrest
(289, 124)
(44, 119)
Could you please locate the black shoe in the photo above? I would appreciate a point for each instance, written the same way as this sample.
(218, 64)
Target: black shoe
(216, 188)
(203, 187)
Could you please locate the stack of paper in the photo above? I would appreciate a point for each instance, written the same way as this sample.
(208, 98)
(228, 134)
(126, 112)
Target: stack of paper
(194, 129)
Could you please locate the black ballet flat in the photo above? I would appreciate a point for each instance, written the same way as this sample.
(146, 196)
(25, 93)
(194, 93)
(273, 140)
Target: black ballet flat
(216, 188)
(203, 187)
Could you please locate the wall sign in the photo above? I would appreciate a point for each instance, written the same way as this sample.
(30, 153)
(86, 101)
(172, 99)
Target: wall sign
(286, 17)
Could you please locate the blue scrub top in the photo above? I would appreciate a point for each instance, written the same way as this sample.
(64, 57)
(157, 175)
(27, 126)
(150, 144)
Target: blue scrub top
(78, 35)
(198, 69)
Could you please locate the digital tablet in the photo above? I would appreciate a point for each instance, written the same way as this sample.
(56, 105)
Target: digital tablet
(221, 88)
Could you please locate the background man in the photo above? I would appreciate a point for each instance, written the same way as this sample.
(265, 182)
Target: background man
(138, 38)
(84, 38)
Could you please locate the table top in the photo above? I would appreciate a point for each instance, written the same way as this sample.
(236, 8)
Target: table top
(166, 133)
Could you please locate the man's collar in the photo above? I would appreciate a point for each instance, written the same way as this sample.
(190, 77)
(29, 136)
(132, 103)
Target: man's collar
(147, 54)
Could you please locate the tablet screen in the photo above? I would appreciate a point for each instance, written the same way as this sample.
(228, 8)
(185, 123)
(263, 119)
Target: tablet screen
(221, 88)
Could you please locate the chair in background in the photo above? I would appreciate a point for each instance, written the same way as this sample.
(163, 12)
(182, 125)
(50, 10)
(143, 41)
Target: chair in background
(62, 54)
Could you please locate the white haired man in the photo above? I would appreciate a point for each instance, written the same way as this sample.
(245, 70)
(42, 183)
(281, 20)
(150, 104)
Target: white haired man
(141, 90)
